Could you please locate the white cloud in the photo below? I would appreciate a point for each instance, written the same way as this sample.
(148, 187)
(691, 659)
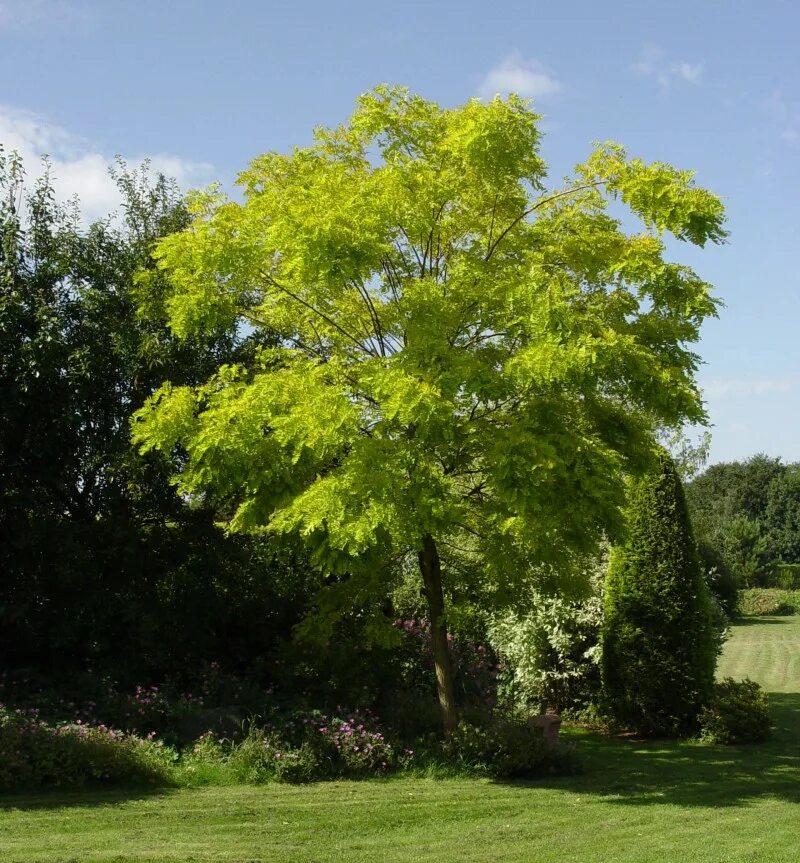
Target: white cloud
(744, 387)
(79, 168)
(516, 74)
(654, 63)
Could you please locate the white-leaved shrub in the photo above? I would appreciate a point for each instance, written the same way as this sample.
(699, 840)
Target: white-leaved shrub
(551, 649)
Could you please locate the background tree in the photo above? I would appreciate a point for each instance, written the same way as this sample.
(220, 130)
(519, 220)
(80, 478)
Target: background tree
(781, 516)
(467, 360)
(749, 513)
(658, 645)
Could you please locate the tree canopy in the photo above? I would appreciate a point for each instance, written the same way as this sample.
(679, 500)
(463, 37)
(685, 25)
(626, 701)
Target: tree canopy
(464, 359)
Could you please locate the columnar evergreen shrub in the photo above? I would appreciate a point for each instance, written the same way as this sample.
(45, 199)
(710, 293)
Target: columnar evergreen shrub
(658, 644)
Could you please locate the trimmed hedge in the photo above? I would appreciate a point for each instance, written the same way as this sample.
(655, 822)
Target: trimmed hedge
(762, 601)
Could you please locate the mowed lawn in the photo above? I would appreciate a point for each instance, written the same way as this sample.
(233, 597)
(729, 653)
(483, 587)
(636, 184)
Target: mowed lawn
(634, 802)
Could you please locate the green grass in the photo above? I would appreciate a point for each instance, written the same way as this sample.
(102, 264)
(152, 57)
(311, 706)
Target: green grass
(767, 650)
(636, 802)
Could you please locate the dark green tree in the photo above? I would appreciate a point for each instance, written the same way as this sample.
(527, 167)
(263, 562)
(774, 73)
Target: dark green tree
(729, 490)
(658, 649)
(749, 513)
(103, 565)
(781, 517)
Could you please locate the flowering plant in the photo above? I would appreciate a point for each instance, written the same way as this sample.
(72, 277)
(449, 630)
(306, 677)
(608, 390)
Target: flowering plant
(37, 753)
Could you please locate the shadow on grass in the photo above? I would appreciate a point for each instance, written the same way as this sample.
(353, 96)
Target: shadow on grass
(760, 621)
(77, 797)
(636, 773)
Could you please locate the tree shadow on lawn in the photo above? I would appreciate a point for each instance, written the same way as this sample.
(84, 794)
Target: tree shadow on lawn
(761, 621)
(77, 797)
(640, 773)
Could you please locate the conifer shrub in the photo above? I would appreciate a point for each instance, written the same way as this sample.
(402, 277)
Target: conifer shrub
(658, 642)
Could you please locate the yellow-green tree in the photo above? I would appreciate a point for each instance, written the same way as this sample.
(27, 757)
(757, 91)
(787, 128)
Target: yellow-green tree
(468, 359)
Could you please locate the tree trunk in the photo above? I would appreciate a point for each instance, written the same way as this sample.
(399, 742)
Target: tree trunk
(431, 570)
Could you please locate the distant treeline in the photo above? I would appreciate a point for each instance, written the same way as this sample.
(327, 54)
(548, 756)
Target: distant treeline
(746, 517)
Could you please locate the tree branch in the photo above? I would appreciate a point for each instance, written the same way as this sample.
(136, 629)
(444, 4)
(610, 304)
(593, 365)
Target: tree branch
(317, 312)
(373, 313)
(540, 203)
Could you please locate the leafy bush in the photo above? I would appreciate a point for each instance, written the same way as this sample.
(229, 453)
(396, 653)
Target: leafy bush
(357, 750)
(175, 715)
(719, 577)
(306, 747)
(659, 648)
(737, 713)
(474, 664)
(552, 653)
(761, 601)
(265, 756)
(504, 747)
(34, 753)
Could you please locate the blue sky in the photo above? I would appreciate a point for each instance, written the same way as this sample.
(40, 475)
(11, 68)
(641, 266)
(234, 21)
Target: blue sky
(202, 87)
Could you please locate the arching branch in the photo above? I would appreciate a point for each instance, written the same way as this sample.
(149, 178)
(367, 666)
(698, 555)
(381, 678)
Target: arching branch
(540, 203)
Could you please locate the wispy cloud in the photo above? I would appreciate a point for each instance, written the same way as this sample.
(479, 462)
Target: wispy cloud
(691, 72)
(776, 107)
(745, 387)
(653, 62)
(78, 167)
(516, 74)
(784, 115)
